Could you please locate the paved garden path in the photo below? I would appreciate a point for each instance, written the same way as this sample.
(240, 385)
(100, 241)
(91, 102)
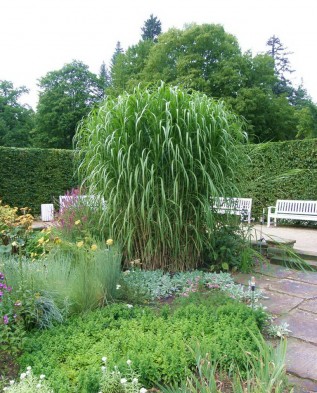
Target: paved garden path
(291, 297)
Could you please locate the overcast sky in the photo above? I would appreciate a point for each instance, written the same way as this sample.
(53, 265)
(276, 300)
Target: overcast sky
(38, 36)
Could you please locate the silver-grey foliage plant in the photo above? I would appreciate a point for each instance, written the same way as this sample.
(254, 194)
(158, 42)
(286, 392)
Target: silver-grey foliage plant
(158, 156)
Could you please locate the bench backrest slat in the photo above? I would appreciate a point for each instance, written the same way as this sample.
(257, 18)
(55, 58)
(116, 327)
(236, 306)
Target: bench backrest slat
(233, 203)
(298, 207)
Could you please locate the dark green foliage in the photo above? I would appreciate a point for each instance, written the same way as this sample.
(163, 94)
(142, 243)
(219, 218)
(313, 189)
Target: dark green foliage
(158, 343)
(152, 28)
(283, 170)
(67, 96)
(231, 249)
(16, 120)
(30, 177)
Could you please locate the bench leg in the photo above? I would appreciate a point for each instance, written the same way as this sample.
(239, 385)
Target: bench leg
(275, 222)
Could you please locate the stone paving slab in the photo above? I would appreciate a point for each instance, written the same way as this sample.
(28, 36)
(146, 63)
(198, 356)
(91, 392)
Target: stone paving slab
(292, 296)
(261, 281)
(302, 385)
(303, 325)
(279, 303)
(309, 277)
(301, 359)
(278, 271)
(309, 305)
(294, 288)
(287, 286)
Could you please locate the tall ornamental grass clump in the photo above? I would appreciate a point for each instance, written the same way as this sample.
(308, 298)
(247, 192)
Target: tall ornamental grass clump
(158, 156)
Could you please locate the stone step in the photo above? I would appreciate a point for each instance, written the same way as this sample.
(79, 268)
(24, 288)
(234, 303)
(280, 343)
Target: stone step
(307, 255)
(293, 263)
(311, 255)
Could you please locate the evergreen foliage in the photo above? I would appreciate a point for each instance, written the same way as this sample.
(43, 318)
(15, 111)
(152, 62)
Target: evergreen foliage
(283, 170)
(152, 29)
(277, 170)
(30, 177)
(16, 120)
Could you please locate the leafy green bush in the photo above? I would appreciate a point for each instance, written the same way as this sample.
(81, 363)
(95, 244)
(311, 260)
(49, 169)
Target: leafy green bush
(277, 170)
(231, 249)
(157, 342)
(14, 228)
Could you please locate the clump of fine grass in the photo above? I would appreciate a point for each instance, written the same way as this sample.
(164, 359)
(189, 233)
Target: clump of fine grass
(75, 280)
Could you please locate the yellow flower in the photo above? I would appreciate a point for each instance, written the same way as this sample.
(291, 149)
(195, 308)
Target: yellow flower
(80, 244)
(77, 222)
(109, 242)
(94, 247)
(41, 240)
(57, 240)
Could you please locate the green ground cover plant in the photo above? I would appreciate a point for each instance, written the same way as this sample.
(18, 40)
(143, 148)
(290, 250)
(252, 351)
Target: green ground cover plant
(157, 341)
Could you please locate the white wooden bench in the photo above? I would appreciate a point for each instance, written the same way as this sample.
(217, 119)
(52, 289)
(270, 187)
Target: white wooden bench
(237, 206)
(292, 210)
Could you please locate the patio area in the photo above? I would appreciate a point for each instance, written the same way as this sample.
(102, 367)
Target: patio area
(305, 238)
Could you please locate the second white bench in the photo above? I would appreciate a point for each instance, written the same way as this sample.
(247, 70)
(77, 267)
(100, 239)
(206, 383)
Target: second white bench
(292, 210)
(237, 206)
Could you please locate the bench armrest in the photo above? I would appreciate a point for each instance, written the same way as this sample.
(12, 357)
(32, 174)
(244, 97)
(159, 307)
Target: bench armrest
(270, 208)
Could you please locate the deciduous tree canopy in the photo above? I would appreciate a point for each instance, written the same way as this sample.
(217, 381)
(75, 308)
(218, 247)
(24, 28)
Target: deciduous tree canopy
(67, 96)
(16, 120)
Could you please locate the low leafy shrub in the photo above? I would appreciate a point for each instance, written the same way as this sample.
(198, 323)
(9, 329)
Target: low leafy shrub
(156, 284)
(15, 228)
(11, 329)
(231, 249)
(156, 341)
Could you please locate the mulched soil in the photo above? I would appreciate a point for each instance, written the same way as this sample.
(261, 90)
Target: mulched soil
(9, 369)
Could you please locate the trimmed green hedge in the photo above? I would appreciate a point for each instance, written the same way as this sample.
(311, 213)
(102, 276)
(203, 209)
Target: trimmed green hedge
(281, 170)
(30, 177)
(278, 170)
